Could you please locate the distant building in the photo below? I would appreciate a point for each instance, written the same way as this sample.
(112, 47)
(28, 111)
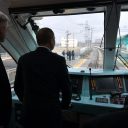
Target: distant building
(70, 43)
(98, 43)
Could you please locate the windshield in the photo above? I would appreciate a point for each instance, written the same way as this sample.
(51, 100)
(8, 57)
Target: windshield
(78, 38)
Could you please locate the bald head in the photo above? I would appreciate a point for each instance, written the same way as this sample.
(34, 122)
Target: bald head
(45, 37)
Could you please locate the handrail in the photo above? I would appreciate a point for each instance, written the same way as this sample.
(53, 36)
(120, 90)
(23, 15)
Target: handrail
(124, 61)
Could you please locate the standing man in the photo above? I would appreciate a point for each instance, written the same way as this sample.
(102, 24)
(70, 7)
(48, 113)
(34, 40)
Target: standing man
(41, 76)
(5, 89)
(69, 54)
(73, 55)
(63, 53)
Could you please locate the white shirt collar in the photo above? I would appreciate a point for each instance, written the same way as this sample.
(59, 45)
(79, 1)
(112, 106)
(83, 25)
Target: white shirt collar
(44, 47)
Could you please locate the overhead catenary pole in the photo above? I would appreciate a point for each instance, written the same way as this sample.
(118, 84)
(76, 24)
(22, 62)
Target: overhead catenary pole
(73, 40)
(67, 41)
(91, 35)
(87, 33)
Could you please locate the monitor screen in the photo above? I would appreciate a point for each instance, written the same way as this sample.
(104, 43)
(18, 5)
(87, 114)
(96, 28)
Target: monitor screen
(126, 83)
(106, 84)
(76, 82)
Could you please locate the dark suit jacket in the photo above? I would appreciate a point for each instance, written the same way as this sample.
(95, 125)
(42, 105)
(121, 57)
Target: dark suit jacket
(5, 96)
(40, 76)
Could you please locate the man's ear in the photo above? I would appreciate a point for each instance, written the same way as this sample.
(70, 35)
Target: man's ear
(52, 44)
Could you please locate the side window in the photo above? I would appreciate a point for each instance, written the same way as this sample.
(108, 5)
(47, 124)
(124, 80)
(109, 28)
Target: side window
(9, 64)
(122, 42)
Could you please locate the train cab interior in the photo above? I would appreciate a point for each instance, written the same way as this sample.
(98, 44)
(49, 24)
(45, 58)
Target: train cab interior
(92, 35)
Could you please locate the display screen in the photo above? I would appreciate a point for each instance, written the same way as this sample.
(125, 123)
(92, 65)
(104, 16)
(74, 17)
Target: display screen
(106, 84)
(126, 82)
(76, 82)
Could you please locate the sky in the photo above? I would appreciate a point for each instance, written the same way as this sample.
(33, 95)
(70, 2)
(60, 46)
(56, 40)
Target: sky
(124, 23)
(76, 24)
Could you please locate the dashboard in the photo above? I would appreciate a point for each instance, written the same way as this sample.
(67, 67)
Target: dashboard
(106, 90)
(101, 88)
(95, 94)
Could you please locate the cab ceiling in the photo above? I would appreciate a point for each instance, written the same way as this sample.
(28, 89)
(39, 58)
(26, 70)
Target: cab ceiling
(30, 3)
(23, 6)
